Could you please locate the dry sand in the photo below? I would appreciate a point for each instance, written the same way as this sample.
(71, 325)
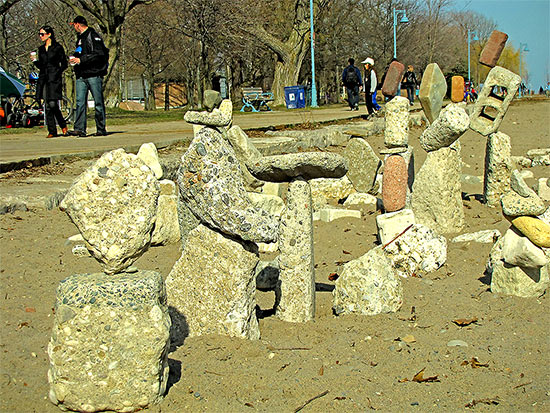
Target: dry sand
(354, 363)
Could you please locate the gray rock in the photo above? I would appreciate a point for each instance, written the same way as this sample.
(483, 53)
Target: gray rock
(452, 122)
(109, 344)
(186, 219)
(296, 289)
(396, 133)
(543, 189)
(498, 168)
(368, 286)
(518, 281)
(245, 150)
(518, 185)
(418, 251)
(436, 197)
(217, 117)
(267, 275)
(539, 156)
(363, 164)
(212, 287)
(518, 250)
(272, 204)
(308, 165)
(515, 205)
(210, 183)
(211, 99)
(114, 203)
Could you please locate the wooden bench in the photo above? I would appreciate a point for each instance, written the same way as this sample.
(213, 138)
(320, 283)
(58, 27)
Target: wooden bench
(255, 99)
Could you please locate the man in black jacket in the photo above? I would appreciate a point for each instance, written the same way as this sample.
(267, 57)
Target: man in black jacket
(351, 78)
(90, 65)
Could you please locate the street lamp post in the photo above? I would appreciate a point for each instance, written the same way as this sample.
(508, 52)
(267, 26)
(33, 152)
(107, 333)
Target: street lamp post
(312, 39)
(522, 48)
(403, 20)
(475, 38)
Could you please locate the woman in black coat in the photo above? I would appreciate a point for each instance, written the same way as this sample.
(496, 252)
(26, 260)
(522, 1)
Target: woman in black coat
(51, 61)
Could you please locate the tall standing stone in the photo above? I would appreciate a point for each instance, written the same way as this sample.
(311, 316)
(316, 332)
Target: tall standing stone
(109, 344)
(394, 184)
(433, 89)
(363, 164)
(396, 133)
(296, 289)
(437, 196)
(498, 168)
(211, 288)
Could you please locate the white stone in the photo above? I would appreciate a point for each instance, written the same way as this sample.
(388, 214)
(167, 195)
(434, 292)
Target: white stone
(518, 250)
(393, 223)
(498, 168)
(417, 252)
(518, 281)
(148, 154)
(212, 287)
(543, 189)
(325, 189)
(486, 236)
(396, 132)
(272, 204)
(365, 202)
(368, 286)
(296, 290)
(331, 214)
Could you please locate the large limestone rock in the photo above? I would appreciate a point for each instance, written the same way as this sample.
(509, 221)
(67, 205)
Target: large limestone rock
(518, 281)
(211, 288)
(114, 203)
(396, 133)
(498, 168)
(296, 289)
(244, 149)
(308, 165)
(518, 250)
(210, 183)
(109, 344)
(417, 252)
(166, 230)
(221, 116)
(149, 155)
(363, 164)
(368, 285)
(452, 122)
(325, 189)
(437, 197)
(521, 200)
(433, 89)
(186, 219)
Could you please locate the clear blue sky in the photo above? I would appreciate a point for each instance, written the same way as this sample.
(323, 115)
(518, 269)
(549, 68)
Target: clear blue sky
(524, 21)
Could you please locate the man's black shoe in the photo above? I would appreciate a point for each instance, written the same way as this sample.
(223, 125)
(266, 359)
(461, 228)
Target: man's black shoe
(77, 133)
(100, 134)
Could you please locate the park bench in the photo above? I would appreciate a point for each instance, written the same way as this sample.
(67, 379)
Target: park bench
(255, 99)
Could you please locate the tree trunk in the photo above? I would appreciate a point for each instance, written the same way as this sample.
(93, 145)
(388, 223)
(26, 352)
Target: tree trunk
(166, 95)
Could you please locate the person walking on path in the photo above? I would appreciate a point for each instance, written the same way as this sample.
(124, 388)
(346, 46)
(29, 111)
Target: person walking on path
(410, 82)
(51, 62)
(90, 62)
(351, 78)
(370, 84)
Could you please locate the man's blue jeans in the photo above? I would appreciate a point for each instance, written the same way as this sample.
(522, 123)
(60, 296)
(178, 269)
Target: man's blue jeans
(94, 85)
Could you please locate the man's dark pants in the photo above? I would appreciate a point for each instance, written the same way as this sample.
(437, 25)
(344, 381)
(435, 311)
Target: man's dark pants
(353, 96)
(94, 85)
(369, 102)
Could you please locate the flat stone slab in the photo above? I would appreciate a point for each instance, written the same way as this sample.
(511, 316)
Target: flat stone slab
(433, 89)
(308, 165)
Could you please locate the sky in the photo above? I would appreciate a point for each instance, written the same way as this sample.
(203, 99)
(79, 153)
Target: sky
(524, 21)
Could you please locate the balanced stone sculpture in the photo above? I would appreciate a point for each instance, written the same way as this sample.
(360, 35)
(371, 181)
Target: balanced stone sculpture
(498, 168)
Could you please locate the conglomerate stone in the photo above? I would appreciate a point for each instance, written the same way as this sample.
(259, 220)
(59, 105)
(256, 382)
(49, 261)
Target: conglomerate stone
(498, 168)
(211, 288)
(114, 203)
(211, 185)
(296, 289)
(221, 116)
(396, 133)
(452, 122)
(109, 343)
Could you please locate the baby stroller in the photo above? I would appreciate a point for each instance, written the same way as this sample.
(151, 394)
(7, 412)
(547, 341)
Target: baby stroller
(24, 110)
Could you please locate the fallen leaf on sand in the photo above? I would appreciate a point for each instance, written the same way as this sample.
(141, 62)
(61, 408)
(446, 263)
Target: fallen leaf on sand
(21, 325)
(474, 362)
(346, 252)
(409, 338)
(321, 371)
(484, 401)
(333, 276)
(419, 377)
(463, 322)
(30, 310)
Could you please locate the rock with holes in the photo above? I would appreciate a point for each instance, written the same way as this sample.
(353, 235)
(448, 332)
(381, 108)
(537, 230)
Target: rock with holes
(368, 285)
(211, 288)
(109, 344)
(114, 204)
(211, 185)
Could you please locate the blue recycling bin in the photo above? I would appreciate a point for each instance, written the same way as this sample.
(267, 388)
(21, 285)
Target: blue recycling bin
(295, 97)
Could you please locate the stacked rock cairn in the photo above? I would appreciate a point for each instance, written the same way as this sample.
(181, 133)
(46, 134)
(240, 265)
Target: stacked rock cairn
(110, 340)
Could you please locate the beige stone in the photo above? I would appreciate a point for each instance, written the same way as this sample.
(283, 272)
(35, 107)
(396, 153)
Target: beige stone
(533, 228)
(518, 281)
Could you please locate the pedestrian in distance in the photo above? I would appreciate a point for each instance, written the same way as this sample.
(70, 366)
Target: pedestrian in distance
(369, 85)
(351, 78)
(90, 61)
(409, 82)
(51, 61)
